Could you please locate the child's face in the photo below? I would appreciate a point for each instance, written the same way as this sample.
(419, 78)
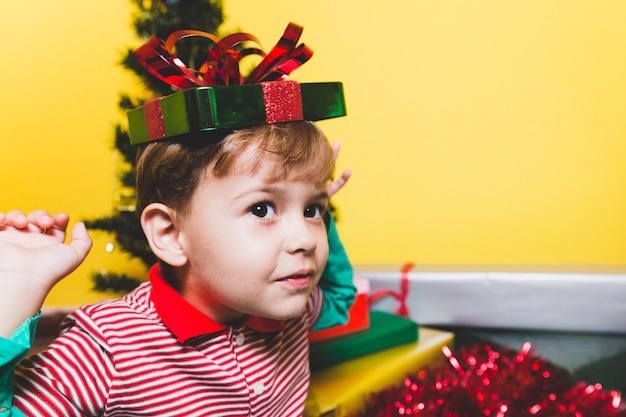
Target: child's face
(253, 247)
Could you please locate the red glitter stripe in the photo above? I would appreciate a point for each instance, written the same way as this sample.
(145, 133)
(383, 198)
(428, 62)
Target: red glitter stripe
(283, 101)
(153, 115)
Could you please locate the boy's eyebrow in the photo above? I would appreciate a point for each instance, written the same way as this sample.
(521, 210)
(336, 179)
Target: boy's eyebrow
(279, 190)
(322, 195)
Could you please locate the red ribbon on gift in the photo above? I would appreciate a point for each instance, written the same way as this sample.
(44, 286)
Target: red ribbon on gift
(154, 118)
(283, 101)
(222, 64)
(402, 295)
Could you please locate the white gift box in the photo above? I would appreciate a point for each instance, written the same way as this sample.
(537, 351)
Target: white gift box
(553, 300)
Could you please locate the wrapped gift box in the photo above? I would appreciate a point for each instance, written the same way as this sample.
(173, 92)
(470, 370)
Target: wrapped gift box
(358, 315)
(342, 389)
(386, 330)
(561, 300)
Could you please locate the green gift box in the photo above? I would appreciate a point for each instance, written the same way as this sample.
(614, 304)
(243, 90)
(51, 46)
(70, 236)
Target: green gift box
(234, 106)
(386, 330)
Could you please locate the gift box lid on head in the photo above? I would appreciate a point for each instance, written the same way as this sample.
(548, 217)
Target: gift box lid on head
(227, 107)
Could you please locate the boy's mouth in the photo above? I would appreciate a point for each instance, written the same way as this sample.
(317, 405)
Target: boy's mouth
(300, 279)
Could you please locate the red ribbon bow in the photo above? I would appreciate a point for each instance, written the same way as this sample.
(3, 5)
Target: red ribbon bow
(401, 296)
(222, 64)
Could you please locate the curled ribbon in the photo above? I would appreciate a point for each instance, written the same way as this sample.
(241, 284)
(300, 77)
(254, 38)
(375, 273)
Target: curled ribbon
(401, 296)
(222, 64)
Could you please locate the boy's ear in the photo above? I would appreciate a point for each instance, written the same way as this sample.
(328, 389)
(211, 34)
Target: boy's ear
(161, 228)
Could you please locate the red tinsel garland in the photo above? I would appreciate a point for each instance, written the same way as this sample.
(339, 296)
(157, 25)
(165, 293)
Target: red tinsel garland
(485, 381)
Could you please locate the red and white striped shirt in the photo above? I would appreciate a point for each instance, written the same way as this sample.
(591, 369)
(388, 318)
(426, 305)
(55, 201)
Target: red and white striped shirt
(153, 354)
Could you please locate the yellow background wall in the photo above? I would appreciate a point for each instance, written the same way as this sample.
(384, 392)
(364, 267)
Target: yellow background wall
(480, 133)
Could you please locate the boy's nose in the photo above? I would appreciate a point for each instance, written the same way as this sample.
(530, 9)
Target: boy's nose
(300, 237)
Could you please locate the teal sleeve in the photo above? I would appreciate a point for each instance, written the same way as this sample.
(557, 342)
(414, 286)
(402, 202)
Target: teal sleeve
(337, 283)
(12, 351)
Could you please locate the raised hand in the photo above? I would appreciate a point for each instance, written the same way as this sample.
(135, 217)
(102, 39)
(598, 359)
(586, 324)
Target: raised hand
(336, 185)
(33, 258)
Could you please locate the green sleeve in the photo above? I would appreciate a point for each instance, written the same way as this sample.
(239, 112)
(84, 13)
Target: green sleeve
(337, 283)
(12, 351)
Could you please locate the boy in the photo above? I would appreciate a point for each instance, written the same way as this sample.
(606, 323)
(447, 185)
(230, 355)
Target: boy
(239, 225)
(222, 325)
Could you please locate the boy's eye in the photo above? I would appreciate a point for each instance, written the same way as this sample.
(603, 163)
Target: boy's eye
(314, 211)
(262, 210)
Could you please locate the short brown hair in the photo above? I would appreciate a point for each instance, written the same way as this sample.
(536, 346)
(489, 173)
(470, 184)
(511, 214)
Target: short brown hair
(169, 171)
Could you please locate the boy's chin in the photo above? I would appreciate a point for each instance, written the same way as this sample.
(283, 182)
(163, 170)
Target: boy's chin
(287, 313)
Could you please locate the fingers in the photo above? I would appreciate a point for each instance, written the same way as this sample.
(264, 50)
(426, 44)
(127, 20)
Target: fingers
(336, 185)
(15, 218)
(57, 226)
(336, 147)
(41, 221)
(80, 240)
(38, 221)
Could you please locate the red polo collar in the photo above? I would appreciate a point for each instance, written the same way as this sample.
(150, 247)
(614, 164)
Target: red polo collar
(186, 321)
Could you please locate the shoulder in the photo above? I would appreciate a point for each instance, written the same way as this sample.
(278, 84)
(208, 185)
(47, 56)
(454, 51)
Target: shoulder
(116, 318)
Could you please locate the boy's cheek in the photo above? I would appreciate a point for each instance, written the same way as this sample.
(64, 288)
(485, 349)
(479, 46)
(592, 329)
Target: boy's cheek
(318, 279)
(323, 260)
